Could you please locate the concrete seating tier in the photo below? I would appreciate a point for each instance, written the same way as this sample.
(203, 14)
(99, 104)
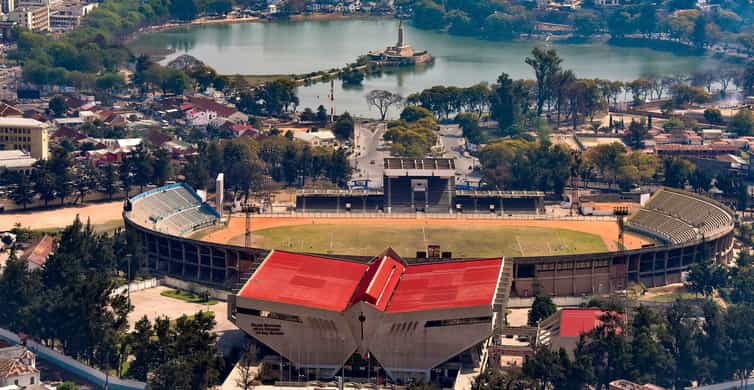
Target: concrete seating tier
(174, 209)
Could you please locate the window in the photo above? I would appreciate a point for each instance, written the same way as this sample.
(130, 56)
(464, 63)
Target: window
(267, 314)
(457, 322)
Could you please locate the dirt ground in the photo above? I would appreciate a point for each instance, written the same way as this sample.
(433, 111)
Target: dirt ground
(608, 230)
(150, 303)
(98, 214)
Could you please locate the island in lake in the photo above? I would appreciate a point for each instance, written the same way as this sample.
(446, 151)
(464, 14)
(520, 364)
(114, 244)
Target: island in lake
(401, 54)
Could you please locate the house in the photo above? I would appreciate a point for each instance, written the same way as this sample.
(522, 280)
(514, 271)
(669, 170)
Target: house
(316, 138)
(18, 367)
(124, 145)
(7, 110)
(69, 133)
(38, 252)
(241, 129)
(201, 111)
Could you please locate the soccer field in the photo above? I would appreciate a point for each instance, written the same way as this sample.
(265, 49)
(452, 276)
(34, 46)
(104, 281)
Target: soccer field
(462, 240)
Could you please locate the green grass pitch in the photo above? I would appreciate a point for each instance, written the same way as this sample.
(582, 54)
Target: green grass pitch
(462, 241)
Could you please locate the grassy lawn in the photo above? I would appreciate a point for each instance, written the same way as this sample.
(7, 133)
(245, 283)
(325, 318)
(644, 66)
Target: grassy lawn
(187, 297)
(107, 227)
(672, 297)
(463, 241)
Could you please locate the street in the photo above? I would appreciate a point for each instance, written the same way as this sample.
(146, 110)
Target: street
(455, 147)
(369, 152)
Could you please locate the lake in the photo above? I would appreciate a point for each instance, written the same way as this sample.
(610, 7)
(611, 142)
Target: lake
(302, 47)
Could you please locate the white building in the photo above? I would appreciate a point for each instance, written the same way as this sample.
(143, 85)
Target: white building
(316, 138)
(18, 367)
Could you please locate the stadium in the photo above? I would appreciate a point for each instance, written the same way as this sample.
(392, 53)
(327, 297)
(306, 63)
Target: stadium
(414, 278)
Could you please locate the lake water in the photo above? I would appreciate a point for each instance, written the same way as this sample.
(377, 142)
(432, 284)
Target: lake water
(302, 47)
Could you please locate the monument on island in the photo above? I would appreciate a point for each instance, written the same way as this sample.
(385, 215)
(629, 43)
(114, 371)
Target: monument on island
(400, 54)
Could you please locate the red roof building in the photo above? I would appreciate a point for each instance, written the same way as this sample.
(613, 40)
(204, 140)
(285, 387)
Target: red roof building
(564, 328)
(387, 283)
(39, 251)
(317, 311)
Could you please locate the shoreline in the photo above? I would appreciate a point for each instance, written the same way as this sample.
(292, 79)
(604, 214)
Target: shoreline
(256, 79)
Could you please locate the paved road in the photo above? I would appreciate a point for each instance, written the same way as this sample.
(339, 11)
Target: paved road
(455, 147)
(369, 147)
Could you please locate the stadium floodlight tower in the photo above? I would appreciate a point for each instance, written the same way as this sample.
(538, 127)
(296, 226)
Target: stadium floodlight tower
(220, 193)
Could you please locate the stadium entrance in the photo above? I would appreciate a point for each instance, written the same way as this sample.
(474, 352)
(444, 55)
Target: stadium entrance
(419, 185)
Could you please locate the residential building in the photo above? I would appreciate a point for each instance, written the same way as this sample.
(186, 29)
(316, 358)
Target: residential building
(6, 110)
(32, 18)
(202, 111)
(25, 134)
(38, 252)
(18, 367)
(701, 151)
(68, 16)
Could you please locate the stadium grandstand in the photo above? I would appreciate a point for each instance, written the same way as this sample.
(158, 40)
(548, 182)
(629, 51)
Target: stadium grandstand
(676, 217)
(174, 209)
(410, 318)
(685, 227)
(420, 185)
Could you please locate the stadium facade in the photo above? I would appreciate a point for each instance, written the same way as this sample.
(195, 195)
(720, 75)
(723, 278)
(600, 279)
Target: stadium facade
(686, 226)
(318, 311)
(420, 185)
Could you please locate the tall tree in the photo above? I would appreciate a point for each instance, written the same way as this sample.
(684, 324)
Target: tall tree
(108, 180)
(505, 105)
(541, 308)
(382, 101)
(546, 64)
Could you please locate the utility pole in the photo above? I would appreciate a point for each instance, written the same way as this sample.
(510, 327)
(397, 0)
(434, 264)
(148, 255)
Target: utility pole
(332, 101)
(247, 232)
(128, 288)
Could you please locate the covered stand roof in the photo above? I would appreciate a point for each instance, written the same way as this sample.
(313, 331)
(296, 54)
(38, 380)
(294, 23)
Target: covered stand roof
(387, 282)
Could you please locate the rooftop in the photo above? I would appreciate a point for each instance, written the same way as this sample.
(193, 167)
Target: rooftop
(16, 159)
(575, 321)
(305, 280)
(387, 282)
(20, 122)
(446, 285)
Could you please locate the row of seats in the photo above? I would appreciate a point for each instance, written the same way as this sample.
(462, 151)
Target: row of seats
(169, 201)
(188, 220)
(175, 210)
(707, 217)
(669, 228)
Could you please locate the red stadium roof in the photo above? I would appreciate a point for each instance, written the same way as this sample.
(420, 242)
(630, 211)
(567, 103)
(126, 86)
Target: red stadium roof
(305, 280)
(446, 285)
(387, 283)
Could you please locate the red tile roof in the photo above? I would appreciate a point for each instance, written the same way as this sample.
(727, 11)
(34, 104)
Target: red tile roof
(387, 283)
(40, 251)
(575, 321)
(204, 104)
(8, 110)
